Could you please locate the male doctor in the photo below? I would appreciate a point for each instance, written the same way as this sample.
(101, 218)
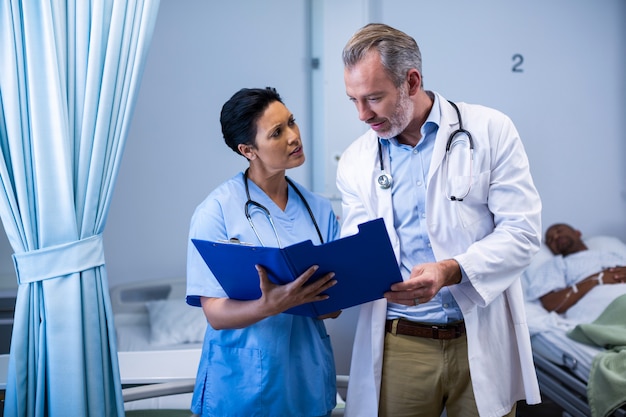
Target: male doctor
(452, 183)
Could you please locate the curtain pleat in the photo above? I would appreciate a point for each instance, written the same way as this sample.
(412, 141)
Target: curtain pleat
(69, 76)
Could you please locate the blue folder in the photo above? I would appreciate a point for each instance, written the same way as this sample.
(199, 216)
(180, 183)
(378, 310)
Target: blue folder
(364, 264)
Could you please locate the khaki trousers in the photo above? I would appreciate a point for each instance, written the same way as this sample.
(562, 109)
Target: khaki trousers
(422, 377)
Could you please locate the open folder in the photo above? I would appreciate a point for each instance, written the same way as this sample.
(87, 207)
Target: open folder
(364, 264)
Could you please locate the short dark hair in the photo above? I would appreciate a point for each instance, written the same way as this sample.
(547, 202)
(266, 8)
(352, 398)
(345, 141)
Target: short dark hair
(242, 111)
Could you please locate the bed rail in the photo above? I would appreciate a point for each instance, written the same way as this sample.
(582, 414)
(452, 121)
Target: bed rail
(565, 389)
(187, 385)
(158, 390)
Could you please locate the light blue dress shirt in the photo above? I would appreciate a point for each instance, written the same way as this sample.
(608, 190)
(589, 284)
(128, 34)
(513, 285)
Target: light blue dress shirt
(409, 168)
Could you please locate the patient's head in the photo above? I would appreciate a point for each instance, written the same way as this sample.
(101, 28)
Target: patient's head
(563, 239)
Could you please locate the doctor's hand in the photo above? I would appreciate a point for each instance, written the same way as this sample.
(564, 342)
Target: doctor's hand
(276, 299)
(425, 282)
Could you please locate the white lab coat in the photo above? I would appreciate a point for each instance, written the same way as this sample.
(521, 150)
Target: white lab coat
(493, 234)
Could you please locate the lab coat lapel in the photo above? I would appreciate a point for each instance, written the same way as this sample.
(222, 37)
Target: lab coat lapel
(383, 205)
(448, 123)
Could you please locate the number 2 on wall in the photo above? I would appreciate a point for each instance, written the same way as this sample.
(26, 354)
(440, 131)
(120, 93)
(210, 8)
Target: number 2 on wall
(518, 60)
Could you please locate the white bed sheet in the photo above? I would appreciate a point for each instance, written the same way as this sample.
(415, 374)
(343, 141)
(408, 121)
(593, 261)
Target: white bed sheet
(143, 363)
(159, 366)
(549, 330)
(549, 339)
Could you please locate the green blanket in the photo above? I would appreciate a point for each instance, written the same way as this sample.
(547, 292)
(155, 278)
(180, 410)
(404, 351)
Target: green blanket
(606, 388)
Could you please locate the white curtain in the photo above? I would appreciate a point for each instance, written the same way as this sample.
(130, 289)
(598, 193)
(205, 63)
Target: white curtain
(69, 76)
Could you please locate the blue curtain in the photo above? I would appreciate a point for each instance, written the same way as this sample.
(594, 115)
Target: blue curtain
(69, 76)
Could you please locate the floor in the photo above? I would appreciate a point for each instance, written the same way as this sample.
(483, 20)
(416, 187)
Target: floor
(546, 409)
(159, 413)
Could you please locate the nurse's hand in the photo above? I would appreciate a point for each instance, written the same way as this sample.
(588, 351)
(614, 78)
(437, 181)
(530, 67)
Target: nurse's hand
(425, 282)
(226, 313)
(279, 298)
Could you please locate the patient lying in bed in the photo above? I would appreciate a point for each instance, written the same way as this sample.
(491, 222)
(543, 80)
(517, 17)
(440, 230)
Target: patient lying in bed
(576, 271)
(575, 303)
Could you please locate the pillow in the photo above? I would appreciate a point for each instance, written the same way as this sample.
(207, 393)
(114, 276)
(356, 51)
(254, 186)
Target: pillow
(607, 243)
(174, 322)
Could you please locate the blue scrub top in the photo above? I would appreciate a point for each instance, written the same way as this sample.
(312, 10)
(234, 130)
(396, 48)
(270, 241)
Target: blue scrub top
(282, 365)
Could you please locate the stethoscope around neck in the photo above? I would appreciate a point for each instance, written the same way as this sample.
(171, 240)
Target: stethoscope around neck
(385, 180)
(265, 211)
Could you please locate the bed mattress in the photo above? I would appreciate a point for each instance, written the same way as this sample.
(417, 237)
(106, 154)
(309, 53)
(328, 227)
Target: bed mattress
(559, 349)
(549, 330)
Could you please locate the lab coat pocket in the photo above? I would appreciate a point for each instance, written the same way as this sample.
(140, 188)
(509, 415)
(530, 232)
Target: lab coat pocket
(473, 209)
(233, 381)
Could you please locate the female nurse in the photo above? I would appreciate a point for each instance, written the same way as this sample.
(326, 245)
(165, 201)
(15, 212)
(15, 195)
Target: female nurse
(256, 359)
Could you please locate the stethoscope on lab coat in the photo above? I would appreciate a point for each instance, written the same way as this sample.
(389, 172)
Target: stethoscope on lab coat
(385, 179)
(265, 211)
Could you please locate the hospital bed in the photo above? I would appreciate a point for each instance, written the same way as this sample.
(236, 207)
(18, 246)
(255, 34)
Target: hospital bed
(563, 365)
(159, 340)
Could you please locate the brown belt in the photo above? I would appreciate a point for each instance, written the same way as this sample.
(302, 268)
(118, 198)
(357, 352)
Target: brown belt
(432, 331)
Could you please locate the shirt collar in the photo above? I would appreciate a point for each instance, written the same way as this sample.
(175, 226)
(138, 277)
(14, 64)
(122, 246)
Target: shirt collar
(434, 117)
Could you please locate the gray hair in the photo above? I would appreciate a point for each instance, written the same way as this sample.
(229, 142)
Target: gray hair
(398, 51)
